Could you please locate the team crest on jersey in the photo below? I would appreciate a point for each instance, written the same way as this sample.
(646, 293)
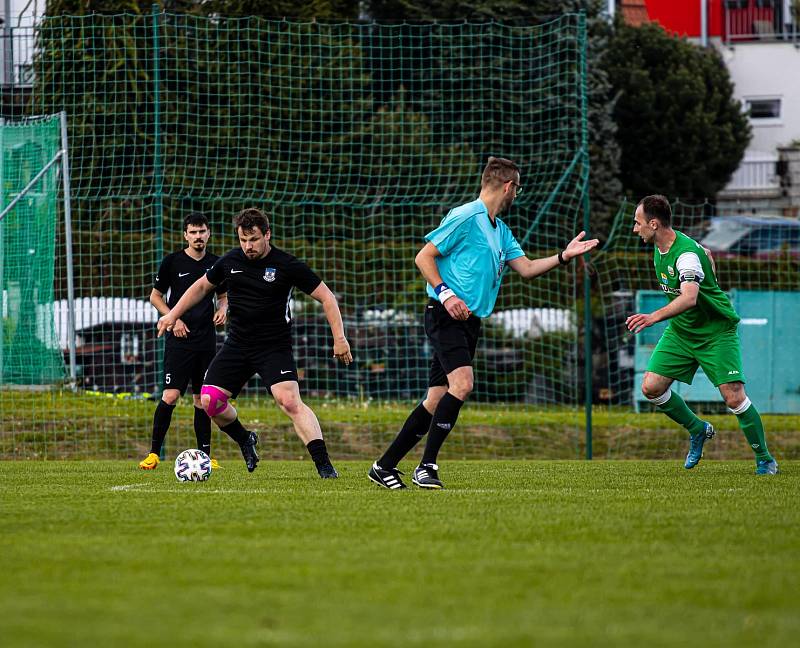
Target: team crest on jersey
(671, 271)
(269, 274)
(664, 278)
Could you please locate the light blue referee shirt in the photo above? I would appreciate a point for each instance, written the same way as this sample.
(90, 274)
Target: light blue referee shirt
(473, 254)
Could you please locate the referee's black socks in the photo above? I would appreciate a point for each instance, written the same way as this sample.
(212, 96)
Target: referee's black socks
(318, 452)
(444, 419)
(415, 427)
(161, 420)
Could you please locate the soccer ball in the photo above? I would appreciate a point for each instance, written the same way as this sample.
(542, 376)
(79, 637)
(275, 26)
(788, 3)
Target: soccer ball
(192, 465)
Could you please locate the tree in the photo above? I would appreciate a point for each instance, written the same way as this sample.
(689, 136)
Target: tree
(681, 132)
(605, 188)
(319, 9)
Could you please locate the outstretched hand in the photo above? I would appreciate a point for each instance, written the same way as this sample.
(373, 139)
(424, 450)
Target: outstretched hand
(578, 246)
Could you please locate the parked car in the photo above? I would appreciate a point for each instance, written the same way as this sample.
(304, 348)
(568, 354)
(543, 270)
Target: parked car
(753, 236)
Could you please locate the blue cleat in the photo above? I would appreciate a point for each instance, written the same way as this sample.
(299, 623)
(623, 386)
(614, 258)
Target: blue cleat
(696, 446)
(766, 467)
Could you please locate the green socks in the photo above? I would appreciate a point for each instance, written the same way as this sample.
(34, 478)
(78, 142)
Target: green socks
(753, 428)
(675, 408)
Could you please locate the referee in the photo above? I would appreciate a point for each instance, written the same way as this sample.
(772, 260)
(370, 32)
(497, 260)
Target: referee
(260, 280)
(462, 261)
(191, 344)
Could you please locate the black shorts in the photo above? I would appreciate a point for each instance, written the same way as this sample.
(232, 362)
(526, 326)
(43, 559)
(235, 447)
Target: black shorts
(453, 341)
(233, 366)
(185, 363)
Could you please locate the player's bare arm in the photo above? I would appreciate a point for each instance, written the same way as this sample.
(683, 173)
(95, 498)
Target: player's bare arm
(686, 300)
(530, 268)
(192, 296)
(711, 260)
(179, 329)
(341, 347)
(221, 314)
(426, 262)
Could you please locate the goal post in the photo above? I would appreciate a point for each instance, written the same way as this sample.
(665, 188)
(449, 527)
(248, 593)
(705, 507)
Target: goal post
(33, 156)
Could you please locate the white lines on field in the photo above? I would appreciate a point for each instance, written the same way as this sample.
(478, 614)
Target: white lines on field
(127, 487)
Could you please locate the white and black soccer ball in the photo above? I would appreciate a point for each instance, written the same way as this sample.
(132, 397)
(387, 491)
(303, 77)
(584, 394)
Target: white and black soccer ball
(192, 465)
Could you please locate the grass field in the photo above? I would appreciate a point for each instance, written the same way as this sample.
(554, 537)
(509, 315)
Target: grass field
(560, 553)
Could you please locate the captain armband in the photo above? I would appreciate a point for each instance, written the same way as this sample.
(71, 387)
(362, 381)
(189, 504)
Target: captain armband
(443, 292)
(689, 275)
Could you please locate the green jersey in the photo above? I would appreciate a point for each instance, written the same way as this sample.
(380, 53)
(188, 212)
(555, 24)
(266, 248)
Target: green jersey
(686, 260)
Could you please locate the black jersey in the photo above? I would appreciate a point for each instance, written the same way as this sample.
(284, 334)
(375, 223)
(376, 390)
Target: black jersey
(178, 271)
(259, 293)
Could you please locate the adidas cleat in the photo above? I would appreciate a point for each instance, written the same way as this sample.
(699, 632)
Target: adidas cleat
(696, 446)
(766, 467)
(427, 476)
(150, 462)
(388, 478)
(249, 453)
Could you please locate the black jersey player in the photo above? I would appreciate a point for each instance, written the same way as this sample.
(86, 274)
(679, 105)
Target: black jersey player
(191, 344)
(260, 279)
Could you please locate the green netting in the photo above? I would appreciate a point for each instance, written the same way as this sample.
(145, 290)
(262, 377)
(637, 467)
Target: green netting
(30, 351)
(357, 138)
(757, 261)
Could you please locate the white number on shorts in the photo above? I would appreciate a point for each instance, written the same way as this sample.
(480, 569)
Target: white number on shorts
(167, 378)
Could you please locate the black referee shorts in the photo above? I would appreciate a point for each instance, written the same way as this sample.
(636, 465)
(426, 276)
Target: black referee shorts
(183, 363)
(233, 366)
(453, 341)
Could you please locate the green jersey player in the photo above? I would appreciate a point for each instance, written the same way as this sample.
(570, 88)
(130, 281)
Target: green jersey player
(702, 331)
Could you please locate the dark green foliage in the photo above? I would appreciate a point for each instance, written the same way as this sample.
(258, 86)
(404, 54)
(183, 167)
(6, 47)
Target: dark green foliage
(681, 131)
(605, 188)
(319, 9)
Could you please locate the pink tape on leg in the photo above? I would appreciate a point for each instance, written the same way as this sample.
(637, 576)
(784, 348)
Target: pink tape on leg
(217, 399)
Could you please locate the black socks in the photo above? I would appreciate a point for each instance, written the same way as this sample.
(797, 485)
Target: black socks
(318, 452)
(235, 431)
(161, 420)
(415, 427)
(202, 430)
(444, 419)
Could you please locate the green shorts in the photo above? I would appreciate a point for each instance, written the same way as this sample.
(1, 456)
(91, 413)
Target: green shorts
(720, 356)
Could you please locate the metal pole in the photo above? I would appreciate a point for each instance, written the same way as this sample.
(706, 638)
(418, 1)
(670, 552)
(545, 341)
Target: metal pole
(704, 23)
(2, 253)
(587, 281)
(29, 186)
(587, 329)
(612, 5)
(65, 178)
(158, 180)
(8, 46)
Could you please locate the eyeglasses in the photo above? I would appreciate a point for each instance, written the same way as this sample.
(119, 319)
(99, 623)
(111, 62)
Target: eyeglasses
(517, 185)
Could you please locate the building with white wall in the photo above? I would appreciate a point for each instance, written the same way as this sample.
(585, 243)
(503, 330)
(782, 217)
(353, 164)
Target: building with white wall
(760, 43)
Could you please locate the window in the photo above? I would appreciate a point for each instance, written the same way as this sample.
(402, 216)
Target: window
(764, 108)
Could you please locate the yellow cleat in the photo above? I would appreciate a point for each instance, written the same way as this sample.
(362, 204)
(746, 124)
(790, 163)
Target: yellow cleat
(214, 464)
(150, 462)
